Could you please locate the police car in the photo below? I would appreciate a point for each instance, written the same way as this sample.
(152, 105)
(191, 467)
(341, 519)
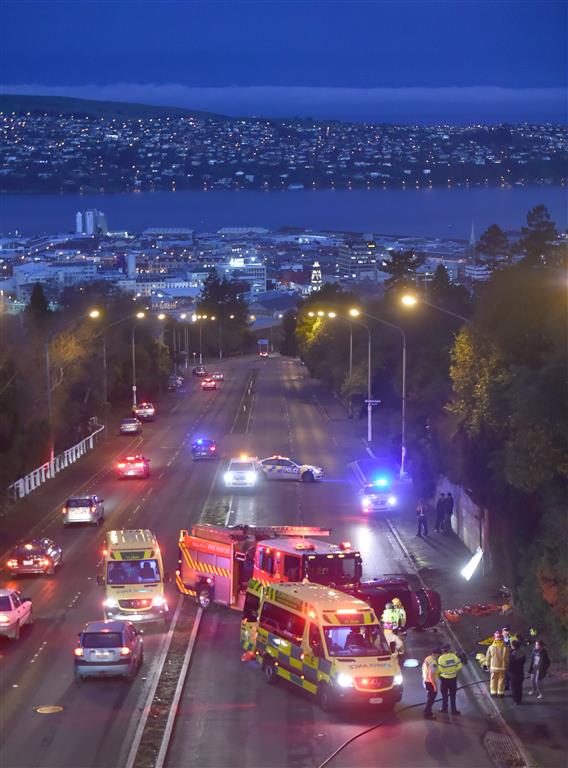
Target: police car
(202, 448)
(379, 495)
(283, 468)
(242, 472)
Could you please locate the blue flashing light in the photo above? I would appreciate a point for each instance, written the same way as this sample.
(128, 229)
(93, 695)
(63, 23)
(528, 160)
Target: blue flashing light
(199, 441)
(381, 482)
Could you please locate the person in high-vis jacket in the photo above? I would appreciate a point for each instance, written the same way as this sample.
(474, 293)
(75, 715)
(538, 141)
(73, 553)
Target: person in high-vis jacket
(430, 679)
(449, 665)
(390, 616)
(497, 659)
(400, 613)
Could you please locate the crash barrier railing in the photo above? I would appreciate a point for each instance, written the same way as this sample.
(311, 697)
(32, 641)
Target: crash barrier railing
(41, 475)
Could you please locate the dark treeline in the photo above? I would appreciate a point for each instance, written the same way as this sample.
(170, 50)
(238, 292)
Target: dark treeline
(486, 396)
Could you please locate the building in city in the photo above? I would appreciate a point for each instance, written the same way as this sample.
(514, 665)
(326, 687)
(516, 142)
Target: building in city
(91, 222)
(356, 257)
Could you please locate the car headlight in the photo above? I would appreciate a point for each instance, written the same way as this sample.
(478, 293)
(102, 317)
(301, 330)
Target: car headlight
(251, 477)
(110, 602)
(366, 501)
(159, 601)
(344, 680)
(391, 501)
(229, 477)
(397, 679)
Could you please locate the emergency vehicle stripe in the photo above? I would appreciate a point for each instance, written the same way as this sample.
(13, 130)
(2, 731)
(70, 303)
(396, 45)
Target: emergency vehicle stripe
(205, 567)
(332, 618)
(182, 588)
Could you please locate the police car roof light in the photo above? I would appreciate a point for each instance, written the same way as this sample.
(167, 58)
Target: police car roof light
(381, 482)
(345, 545)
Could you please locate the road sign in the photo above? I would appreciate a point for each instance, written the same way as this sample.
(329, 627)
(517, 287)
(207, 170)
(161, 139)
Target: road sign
(372, 402)
(263, 341)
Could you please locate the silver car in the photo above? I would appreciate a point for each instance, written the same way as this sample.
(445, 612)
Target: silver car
(109, 649)
(84, 509)
(130, 427)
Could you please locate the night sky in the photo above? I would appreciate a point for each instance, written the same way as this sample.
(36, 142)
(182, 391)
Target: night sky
(361, 60)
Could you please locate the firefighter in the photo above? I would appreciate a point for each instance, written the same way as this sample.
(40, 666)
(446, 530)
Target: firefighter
(401, 614)
(449, 664)
(430, 678)
(497, 659)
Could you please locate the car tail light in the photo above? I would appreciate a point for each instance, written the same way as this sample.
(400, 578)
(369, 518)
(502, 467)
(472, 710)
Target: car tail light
(93, 509)
(120, 465)
(212, 449)
(46, 562)
(79, 652)
(105, 552)
(64, 510)
(12, 563)
(125, 651)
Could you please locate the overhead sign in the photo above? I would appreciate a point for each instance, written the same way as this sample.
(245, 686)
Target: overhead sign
(372, 402)
(263, 341)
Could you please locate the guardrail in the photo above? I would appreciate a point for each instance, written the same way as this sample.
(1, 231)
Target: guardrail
(41, 475)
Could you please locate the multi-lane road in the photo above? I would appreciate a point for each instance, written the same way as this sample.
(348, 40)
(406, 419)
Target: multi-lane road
(228, 716)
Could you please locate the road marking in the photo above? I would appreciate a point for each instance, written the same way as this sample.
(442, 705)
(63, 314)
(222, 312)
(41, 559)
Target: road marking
(152, 689)
(229, 512)
(72, 603)
(49, 709)
(172, 714)
(37, 653)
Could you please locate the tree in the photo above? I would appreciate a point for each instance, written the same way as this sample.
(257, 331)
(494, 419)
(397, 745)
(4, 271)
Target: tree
(538, 243)
(494, 245)
(37, 309)
(289, 344)
(220, 299)
(402, 266)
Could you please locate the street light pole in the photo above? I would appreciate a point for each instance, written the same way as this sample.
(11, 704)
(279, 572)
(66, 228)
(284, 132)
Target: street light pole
(49, 410)
(133, 369)
(200, 347)
(220, 339)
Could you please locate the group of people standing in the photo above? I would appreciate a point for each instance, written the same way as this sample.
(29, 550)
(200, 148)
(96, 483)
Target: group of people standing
(444, 512)
(506, 658)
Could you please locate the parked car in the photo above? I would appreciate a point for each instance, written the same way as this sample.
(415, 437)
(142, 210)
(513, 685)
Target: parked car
(109, 649)
(15, 612)
(84, 509)
(38, 556)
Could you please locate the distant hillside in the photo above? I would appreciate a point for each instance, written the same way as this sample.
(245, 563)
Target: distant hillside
(64, 105)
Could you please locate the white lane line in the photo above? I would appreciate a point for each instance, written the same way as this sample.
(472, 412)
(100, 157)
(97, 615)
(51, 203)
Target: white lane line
(72, 603)
(172, 714)
(152, 690)
(160, 476)
(229, 511)
(37, 653)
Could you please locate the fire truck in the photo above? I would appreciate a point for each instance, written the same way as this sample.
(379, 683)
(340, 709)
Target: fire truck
(216, 562)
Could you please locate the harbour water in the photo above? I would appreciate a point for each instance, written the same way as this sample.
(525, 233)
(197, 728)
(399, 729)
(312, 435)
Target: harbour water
(437, 212)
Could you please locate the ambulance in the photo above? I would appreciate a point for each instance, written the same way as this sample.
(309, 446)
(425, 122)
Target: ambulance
(321, 640)
(132, 573)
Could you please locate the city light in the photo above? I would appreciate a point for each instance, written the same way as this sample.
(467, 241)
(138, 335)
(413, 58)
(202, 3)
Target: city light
(140, 315)
(161, 316)
(94, 313)
(408, 300)
(354, 312)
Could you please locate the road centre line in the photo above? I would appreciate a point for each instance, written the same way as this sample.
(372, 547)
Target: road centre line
(172, 714)
(149, 698)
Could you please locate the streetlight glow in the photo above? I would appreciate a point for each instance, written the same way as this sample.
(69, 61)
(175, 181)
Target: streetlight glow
(331, 314)
(321, 313)
(354, 312)
(310, 314)
(140, 315)
(94, 313)
(183, 316)
(409, 301)
(161, 316)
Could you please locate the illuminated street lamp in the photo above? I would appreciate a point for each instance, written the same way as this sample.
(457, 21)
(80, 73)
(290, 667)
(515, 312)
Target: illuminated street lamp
(139, 316)
(409, 300)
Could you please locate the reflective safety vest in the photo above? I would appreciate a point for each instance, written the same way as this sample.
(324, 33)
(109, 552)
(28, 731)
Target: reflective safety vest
(449, 665)
(400, 615)
(430, 671)
(390, 615)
